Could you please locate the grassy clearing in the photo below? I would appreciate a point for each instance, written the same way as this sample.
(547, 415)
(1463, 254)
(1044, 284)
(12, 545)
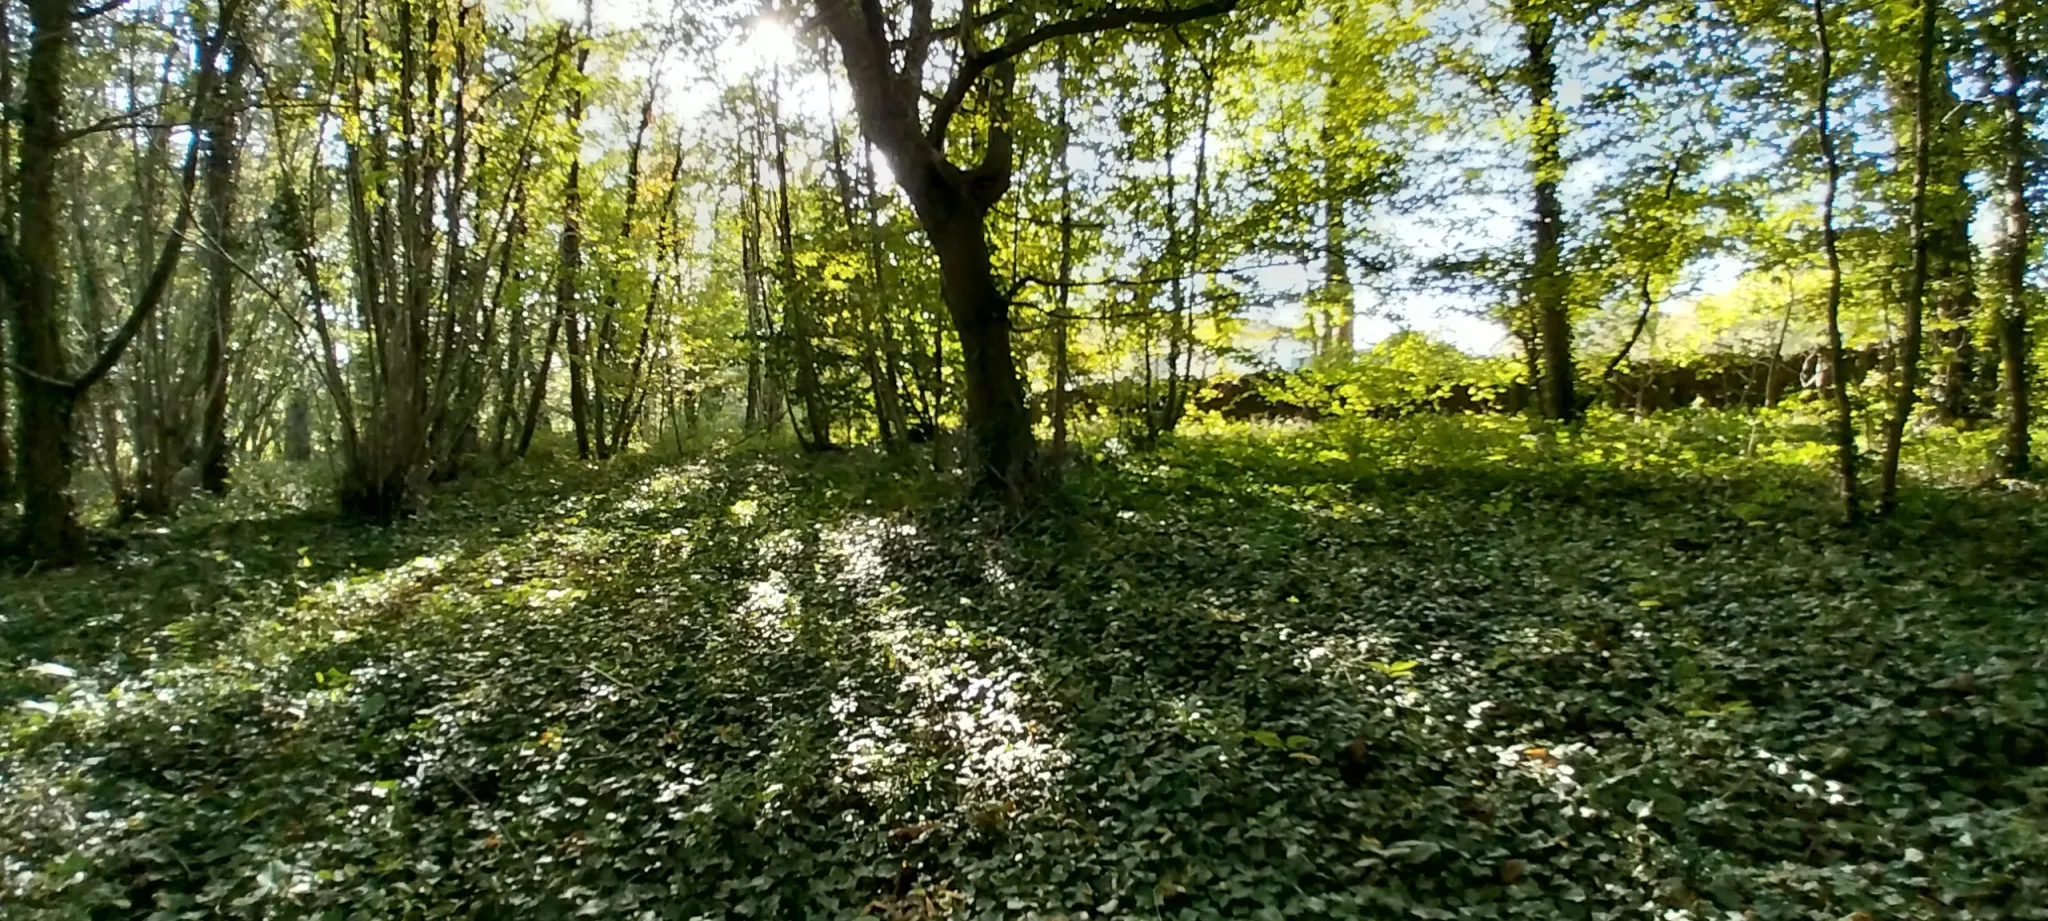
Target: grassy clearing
(1436, 668)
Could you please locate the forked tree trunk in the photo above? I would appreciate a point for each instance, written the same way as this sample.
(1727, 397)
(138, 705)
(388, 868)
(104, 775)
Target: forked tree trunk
(31, 269)
(952, 203)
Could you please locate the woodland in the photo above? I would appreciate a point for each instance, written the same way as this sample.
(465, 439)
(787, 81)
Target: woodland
(1096, 459)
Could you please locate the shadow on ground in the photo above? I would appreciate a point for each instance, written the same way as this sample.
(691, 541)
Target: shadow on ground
(1228, 683)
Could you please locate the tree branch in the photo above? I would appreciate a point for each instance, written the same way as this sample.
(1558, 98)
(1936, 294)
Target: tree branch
(94, 12)
(980, 62)
(153, 291)
(174, 244)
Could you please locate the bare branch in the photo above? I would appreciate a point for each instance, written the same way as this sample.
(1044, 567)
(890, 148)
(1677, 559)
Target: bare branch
(94, 12)
(980, 62)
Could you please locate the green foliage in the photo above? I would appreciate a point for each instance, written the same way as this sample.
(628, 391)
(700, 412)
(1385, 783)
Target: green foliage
(1405, 373)
(1625, 671)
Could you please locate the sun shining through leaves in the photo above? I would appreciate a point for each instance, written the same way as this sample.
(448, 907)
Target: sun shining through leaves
(1062, 460)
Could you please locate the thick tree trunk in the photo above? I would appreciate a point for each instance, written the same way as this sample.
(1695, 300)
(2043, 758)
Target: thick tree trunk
(952, 207)
(1546, 283)
(1906, 389)
(1838, 378)
(2015, 455)
(223, 168)
(997, 418)
(952, 203)
(50, 531)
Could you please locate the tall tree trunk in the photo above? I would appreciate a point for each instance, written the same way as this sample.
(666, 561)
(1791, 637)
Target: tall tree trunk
(667, 242)
(1546, 283)
(760, 415)
(1951, 265)
(798, 316)
(49, 529)
(7, 212)
(1906, 389)
(1194, 267)
(888, 409)
(1337, 331)
(537, 393)
(1062, 313)
(223, 168)
(610, 416)
(1837, 373)
(892, 352)
(569, 261)
(2015, 456)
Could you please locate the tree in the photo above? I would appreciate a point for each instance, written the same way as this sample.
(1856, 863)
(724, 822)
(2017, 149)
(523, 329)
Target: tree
(1906, 389)
(952, 202)
(31, 267)
(1837, 374)
(223, 252)
(2016, 151)
(1547, 284)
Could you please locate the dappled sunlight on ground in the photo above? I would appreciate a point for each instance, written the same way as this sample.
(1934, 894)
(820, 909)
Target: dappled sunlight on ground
(1246, 684)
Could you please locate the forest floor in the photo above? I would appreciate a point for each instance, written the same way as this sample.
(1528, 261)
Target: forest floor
(1418, 672)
